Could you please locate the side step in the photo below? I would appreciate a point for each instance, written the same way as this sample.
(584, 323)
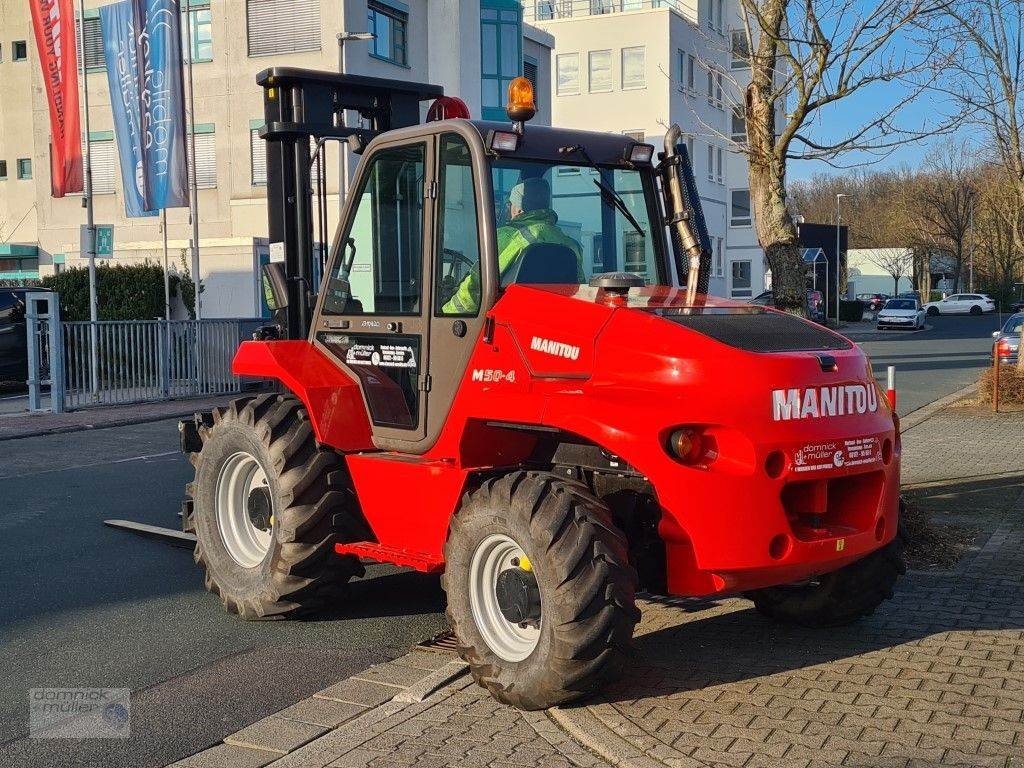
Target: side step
(371, 550)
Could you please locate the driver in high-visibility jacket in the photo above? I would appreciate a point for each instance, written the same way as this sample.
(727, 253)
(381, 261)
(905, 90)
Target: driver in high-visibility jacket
(531, 220)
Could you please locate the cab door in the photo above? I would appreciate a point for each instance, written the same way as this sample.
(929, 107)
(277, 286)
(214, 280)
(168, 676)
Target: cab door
(373, 316)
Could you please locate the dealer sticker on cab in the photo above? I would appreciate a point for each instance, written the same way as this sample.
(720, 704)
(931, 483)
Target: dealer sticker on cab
(831, 454)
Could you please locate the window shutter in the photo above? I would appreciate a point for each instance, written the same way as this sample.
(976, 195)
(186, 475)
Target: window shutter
(93, 43)
(104, 167)
(283, 26)
(206, 161)
(258, 149)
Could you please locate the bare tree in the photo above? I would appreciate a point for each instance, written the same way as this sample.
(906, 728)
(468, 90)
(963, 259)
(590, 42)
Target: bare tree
(895, 262)
(803, 57)
(988, 78)
(943, 198)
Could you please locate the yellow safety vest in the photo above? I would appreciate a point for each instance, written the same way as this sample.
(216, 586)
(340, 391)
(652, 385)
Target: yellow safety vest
(514, 238)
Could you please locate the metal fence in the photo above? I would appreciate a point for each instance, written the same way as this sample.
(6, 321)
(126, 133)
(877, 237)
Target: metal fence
(143, 360)
(546, 10)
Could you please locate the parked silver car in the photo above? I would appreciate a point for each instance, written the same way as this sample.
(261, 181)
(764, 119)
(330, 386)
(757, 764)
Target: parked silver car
(1007, 339)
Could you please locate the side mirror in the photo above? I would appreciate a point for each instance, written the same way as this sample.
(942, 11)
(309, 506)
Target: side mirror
(275, 286)
(996, 334)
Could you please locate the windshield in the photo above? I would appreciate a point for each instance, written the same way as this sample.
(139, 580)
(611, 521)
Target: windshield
(1014, 324)
(901, 304)
(566, 223)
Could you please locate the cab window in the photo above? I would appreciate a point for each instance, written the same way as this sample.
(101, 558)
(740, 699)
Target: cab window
(381, 257)
(457, 272)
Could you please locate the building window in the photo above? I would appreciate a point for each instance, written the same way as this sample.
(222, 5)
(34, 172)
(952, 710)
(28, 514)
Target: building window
(740, 50)
(719, 256)
(201, 20)
(94, 58)
(205, 164)
(19, 50)
(257, 158)
(567, 66)
(634, 64)
(104, 162)
(3, 170)
(390, 27)
(681, 67)
(719, 175)
(719, 14)
(718, 90)
(739, 124)
(600, 71)
(741, 279)
(689, 149)
(711, 163)
(711, 86)
(282, 26)
(24, 168)
(501, 35)
(691, 72)
(739, 213)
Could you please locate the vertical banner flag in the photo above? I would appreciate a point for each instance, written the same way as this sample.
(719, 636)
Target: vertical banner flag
(161, 103)
(53, 22)
(119, 41)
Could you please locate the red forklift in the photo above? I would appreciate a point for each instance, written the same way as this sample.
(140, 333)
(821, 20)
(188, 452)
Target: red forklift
(511, 375)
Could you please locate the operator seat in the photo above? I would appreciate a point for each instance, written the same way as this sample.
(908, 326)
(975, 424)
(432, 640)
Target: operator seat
(544, 264)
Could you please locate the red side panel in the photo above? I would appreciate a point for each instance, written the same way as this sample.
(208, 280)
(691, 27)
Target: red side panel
(407, 501)
(332, 399)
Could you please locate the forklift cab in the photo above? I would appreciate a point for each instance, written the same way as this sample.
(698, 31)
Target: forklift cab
(438, 226)
(442, 217)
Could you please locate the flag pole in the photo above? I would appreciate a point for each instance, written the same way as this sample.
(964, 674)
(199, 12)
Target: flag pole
(167, 272)
(90, 223)
(193, 197)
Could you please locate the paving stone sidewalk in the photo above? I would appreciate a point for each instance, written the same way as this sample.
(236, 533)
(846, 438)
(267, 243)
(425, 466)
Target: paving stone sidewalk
(934, 678)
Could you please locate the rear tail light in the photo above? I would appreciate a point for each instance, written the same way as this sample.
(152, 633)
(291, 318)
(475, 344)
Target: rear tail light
(691, 446)
(1003, 348)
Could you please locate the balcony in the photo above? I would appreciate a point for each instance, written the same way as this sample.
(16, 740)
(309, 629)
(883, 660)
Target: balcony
(551, 10)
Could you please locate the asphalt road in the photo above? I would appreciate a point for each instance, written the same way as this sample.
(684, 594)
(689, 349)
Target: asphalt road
(935, 362)
(84, 605)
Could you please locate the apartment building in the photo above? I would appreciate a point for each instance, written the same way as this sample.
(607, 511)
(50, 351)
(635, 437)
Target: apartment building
(636, 67)
(470, 47)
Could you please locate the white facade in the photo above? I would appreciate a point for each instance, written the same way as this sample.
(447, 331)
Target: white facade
(636, 67)
(440, 42)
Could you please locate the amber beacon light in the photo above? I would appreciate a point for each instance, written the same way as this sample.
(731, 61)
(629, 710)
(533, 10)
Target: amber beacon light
(521, 106)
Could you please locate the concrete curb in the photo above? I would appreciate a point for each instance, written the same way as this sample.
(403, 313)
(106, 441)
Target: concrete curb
(344, 715)
(187, 408)
(925, 412)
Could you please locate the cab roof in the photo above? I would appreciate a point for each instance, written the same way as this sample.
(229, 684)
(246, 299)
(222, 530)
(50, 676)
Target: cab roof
(542, 142)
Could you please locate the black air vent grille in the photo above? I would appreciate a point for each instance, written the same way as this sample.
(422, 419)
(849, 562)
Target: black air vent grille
(758, 331)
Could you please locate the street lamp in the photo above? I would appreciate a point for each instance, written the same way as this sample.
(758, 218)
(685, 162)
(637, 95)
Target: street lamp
(838, 270)
(344, 37)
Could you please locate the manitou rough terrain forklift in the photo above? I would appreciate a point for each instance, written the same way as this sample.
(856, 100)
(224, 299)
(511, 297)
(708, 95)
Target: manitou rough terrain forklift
(511, 375)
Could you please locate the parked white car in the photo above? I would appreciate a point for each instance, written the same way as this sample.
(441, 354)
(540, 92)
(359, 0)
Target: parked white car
(900, 313)
(961, 304)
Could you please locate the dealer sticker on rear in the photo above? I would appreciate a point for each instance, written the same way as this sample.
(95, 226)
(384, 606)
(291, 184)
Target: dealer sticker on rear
(831, 454)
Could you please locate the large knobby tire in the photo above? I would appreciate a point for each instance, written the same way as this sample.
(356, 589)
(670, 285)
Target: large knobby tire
(586, 584)
(838, 598)
(311, 500)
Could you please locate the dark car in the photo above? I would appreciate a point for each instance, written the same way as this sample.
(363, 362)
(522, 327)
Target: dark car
(815, 303)
(13, 342)
(1007, 339)
(873, 301)
(1017, 298)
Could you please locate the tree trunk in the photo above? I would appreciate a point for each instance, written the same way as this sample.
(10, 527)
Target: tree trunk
(778, 236)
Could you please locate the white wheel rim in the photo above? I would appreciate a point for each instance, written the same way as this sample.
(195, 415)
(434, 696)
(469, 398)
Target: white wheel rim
(239, 476)
(512, 642)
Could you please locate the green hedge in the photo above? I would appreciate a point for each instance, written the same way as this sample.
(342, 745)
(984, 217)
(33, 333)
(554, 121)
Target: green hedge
(851, 311)
(123, 292)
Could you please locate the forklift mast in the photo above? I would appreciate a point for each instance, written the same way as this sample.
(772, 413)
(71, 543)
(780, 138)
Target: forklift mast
(304, 104)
